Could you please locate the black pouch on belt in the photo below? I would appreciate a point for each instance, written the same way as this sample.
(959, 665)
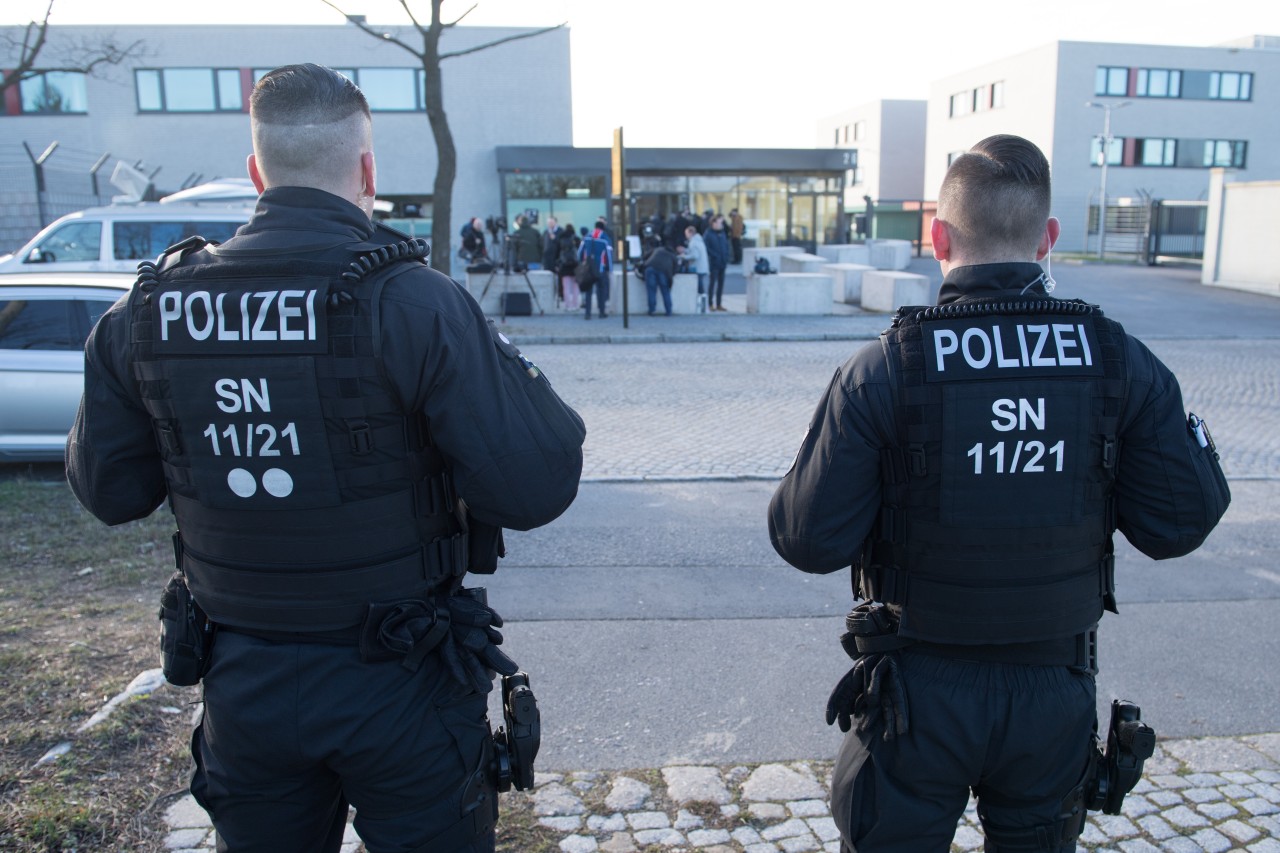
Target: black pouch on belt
(186, 635)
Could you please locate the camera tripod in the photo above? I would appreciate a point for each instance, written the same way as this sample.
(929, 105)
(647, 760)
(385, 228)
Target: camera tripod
(506, 268)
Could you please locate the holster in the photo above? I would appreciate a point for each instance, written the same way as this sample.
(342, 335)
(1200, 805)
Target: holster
(1130, 742)
(186, 635)
(516, 744)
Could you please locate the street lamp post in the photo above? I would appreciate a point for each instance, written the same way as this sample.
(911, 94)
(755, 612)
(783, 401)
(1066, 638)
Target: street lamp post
(1106, 148)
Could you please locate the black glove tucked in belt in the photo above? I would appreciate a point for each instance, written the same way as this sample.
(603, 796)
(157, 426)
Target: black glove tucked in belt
(872, 690)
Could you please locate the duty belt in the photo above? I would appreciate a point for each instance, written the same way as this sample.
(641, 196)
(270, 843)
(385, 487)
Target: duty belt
(873, 629)
(287, 601)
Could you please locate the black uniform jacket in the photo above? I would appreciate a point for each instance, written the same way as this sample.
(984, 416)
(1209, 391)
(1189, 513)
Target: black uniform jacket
(514, 448)
(1169, 492)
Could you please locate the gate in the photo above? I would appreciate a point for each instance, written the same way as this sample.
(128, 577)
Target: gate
(1176, 231)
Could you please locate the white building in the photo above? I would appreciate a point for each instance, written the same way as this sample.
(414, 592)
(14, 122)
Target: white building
(181, 107)
(1175, 113)
(889, 136)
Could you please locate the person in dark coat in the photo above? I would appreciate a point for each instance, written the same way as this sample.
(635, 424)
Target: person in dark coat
(972, 469)
(719, 253)
(337, 456)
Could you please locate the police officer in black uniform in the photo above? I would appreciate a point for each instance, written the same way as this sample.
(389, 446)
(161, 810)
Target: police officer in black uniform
(341, 436)
(972, 467)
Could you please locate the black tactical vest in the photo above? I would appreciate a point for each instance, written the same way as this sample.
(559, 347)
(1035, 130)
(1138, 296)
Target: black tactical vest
(302, 490)
(996, 520)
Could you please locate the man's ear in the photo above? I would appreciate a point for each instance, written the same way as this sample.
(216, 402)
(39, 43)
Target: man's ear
(254, 175)
(369, 174)
(1052, 229)
(941, 240)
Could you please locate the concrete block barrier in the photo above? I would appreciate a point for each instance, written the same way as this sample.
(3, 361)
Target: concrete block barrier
(846, 282)
(802, 262)
(789, 293)
(889, 290)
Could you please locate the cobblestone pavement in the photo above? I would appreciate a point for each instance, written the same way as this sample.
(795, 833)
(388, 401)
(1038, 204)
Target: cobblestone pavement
(1206, 795)
(666, 407)
(739, 409)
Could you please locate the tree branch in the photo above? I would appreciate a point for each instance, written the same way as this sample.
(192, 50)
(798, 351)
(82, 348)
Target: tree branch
(455, 21)
(404, 4)
(387, 37)
(504, 40)
(83, 57)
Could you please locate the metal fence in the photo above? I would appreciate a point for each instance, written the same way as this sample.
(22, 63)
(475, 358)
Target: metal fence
(37, 185)
(1152, 232)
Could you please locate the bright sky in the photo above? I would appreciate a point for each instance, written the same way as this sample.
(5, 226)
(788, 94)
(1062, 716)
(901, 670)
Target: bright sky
(742, 73)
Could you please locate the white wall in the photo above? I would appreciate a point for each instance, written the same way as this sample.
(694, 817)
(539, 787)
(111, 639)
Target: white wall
(890, 150)
(1238, 251)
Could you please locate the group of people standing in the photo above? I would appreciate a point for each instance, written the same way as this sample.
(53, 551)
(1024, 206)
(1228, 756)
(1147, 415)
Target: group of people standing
(684, 242)
(563, 251)
(704, 246)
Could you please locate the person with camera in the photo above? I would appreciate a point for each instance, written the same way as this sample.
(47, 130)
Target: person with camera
(473, 246)
(341, 436)
(972, 467)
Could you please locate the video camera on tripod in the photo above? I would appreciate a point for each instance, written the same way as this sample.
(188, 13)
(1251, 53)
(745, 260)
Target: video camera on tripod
(506, 263)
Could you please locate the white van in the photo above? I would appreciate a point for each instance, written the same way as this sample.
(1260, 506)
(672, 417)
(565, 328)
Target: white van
(116, 237)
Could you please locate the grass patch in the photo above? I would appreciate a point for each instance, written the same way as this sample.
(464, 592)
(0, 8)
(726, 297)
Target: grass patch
(71, 640)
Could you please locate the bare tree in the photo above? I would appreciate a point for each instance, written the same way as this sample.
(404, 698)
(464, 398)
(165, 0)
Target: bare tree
(430, 57)
(27, 57)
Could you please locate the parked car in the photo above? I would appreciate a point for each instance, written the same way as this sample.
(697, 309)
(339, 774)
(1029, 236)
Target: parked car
(45, 318)
(116, 237)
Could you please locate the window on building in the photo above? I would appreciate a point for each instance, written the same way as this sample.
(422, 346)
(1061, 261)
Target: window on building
(1155, 152)
(188, 90)
(53, 92)
(981, 99)
(1159, 83)
(952, 157)
(1115, 152)
(1224, 152)
(859, 131)
(391, 89)
(1230, 85)
(961, 103)
(1111, 81)
(349, 73)
(997, 94)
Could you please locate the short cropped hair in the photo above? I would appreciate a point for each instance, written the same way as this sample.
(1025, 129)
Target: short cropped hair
(307, 119)
(995, 199)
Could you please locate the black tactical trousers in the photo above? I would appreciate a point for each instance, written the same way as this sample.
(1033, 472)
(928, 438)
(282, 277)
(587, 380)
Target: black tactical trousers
(293, 732)
(1017, 736)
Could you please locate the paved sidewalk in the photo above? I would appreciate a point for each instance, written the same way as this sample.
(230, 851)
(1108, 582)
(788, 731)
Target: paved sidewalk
(1203, 795)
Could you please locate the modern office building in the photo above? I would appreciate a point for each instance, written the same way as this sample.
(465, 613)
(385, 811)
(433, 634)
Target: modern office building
(1172, 112)
(889, 138)
(178, 108)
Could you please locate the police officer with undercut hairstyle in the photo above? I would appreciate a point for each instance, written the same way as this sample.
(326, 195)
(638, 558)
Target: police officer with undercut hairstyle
(971, 466)
(341, 436)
